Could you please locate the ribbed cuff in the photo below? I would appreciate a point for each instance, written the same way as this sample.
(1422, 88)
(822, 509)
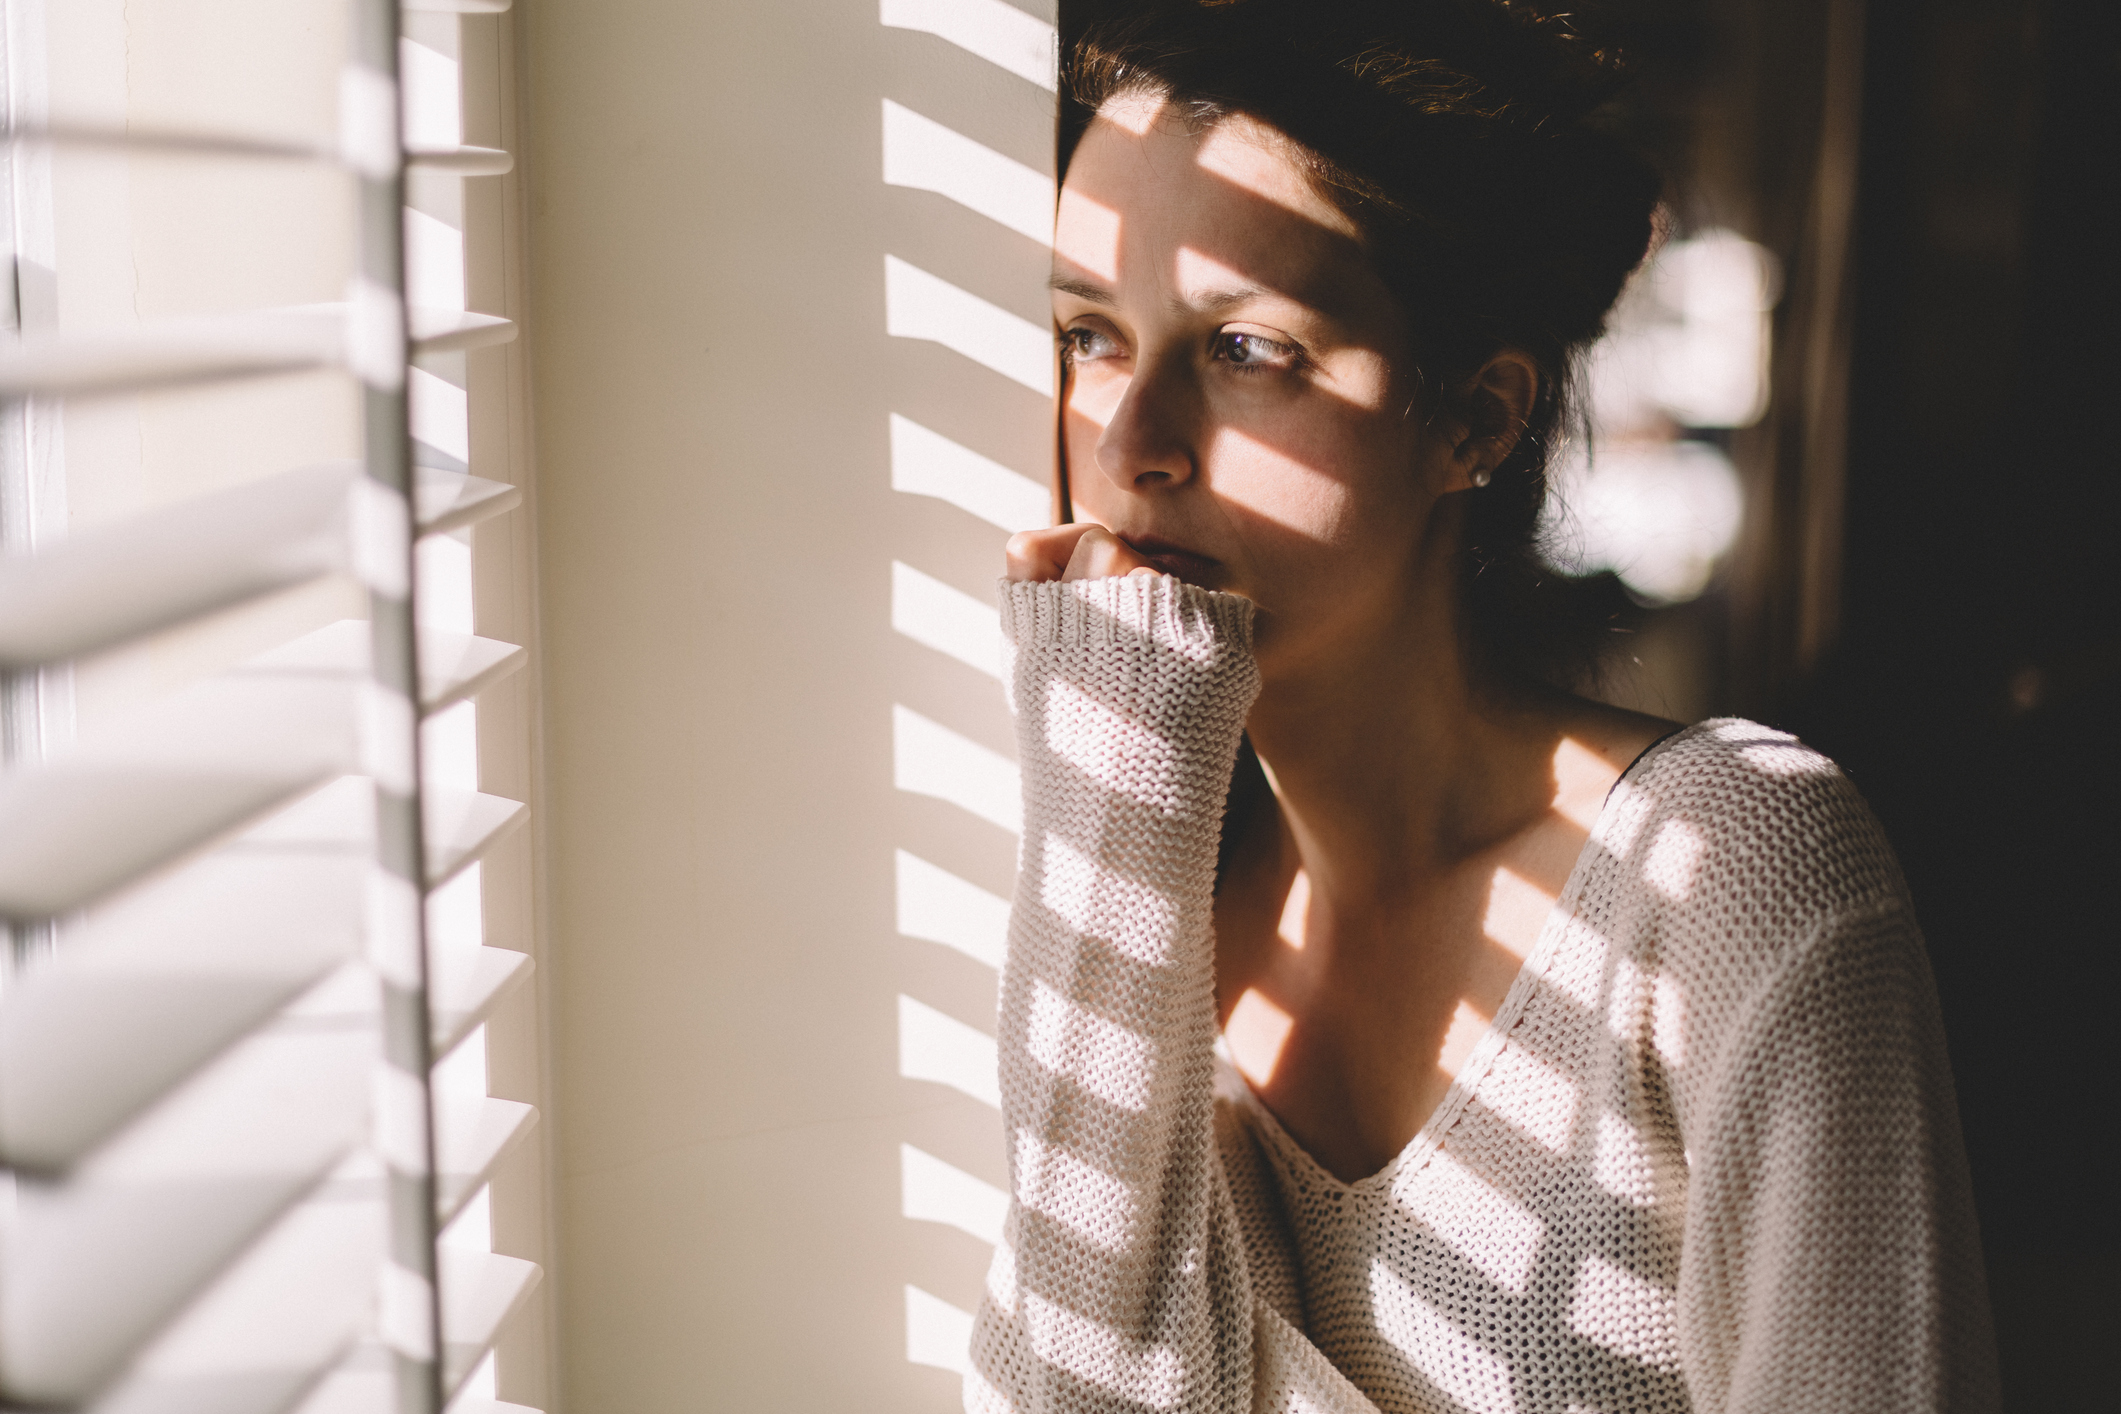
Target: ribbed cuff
(1152, 611)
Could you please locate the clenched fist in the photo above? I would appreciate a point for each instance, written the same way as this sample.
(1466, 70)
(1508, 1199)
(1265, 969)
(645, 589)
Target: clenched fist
(1071, 552)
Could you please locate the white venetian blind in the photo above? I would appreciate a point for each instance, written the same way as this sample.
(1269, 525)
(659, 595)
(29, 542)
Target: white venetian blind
(245, 1141)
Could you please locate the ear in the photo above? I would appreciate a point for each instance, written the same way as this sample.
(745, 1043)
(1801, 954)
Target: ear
(1499, 399)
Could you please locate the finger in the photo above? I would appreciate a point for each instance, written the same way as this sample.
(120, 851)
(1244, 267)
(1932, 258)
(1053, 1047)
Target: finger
(1089, 552)
(1035, 555)
(1102, 555)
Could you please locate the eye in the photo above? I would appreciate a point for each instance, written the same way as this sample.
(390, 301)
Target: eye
(1083, 344)
(1240, 349)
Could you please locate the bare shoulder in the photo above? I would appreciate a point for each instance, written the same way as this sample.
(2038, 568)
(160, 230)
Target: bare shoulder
(1593, 745)
(1615, 735)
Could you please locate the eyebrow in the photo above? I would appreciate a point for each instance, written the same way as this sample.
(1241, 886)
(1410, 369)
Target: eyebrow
(1215, 301)
(1207, 301)
(1082, 289)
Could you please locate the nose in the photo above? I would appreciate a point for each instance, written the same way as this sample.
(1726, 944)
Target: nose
(1148, 444)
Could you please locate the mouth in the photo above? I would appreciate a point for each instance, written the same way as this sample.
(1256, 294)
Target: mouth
(1175, 560)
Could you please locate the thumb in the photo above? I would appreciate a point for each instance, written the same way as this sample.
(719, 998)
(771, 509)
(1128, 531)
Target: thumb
(1102, 555)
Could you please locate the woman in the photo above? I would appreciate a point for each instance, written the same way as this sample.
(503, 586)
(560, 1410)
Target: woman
(1575, 1061)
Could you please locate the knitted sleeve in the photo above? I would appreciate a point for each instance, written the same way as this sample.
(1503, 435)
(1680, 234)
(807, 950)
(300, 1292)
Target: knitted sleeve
(1120, 1281)
(1831, 1259)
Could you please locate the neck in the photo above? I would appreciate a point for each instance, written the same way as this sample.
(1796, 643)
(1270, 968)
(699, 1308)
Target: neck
(1390, 762)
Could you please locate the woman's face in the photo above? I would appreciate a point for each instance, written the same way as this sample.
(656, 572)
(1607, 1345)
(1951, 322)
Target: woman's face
(1239, 406)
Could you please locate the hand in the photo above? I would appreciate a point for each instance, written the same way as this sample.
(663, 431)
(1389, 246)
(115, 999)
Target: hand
(1072, 552)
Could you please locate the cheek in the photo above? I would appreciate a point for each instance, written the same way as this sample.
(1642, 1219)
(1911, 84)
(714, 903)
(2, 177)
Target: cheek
(1295, 497)
(1326, 521)
(1085, 414)
(1329, 486)
(1093, 395)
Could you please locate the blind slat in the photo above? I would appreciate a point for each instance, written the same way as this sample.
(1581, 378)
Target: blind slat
(166, 352)
(216, 1189)
(289, 1309)
(113, 584)
(109, 585)
(70, 835)
(96, 1262)
(452, 330)
(467, 1146)
(250, 345)
(168, 779)
(451, 500)
(362, 1385)
(453, 666)
(461, 826)
(480, 1291)
(461, 161)
(102, 827)
(455, 161)
(461, 998)
(156, 986)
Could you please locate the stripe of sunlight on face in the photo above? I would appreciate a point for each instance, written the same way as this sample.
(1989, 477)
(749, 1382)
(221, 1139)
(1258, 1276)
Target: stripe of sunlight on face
(1273, 484)
(1164, 259)
(1232, 152)
(1087, 233)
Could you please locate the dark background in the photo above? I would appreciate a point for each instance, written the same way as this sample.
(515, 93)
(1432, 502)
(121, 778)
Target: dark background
(1925, 584)
(1972, 693)
(1926, 587)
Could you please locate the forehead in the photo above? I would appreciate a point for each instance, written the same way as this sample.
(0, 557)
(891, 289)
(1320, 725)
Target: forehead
(1148, 198)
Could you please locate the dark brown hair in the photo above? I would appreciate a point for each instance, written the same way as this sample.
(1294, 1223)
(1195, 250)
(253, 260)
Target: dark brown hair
(1455, 134)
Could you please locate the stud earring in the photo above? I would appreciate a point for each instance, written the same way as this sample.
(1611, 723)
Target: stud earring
(1481, 476)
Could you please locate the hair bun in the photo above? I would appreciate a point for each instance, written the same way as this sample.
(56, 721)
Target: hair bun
(1580, 72)
(1524, 61)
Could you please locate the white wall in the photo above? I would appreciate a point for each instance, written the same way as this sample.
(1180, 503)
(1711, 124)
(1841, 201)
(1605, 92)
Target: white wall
(713, 390)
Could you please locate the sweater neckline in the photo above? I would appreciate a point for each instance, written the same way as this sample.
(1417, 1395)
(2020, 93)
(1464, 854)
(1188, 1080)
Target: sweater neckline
(1429, 1138)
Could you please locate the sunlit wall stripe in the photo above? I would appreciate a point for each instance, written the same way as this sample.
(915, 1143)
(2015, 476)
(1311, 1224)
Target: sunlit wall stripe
(933, 904)
(937, 1047)
(927, 156)
(999, 33)
(936, 906)
(937, 1333)
(926, 463)
(946, 619)
(918, 305)
(933, 1191)
(927, 758)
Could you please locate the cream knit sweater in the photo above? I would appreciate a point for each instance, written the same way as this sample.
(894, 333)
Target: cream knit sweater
(1705, 1159)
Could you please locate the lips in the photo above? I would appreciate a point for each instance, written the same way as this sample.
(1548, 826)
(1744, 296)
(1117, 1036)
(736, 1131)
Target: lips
(1175, 560)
